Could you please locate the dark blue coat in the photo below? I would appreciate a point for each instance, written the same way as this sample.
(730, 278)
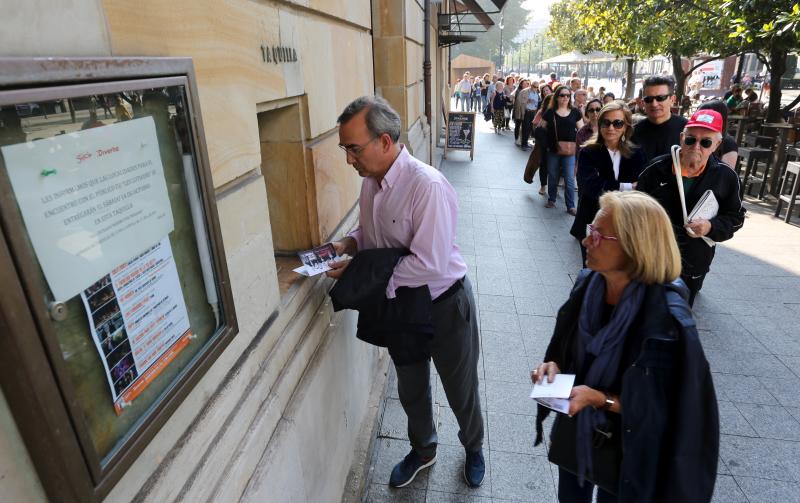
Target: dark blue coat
(670, 420)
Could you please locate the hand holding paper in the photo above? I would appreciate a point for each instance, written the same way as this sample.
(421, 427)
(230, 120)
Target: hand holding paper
(554, 395)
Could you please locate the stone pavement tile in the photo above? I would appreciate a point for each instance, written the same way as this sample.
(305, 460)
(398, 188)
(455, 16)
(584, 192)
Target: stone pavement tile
(781, 344)
(536, 333)
(509, 368)
(499, 322)
(501, 344)
(767, 458)
(494, 285)
(493, 269)
(488, 251)
(394, 423)
(516, 264)
(722, 339)
(496, 303)
(447, 475)
(514, 433)
(728, 361)
(784, 390)
(722, 468)
(521, 477)
(743, 389)
(537, 305)
(440, 497)
(719, 322)
(794, 411)
(514, 243)
(447, 427)
(732, 422)
(509, 397)
(389, 452)
(769, 491)
(771, 421)
(726, 490)
(382, 493)
(793, 362)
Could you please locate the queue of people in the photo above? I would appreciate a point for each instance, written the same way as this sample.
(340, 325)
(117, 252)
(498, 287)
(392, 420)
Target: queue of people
(642, 422)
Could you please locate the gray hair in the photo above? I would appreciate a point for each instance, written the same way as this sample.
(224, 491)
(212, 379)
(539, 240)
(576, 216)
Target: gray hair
(381, 118)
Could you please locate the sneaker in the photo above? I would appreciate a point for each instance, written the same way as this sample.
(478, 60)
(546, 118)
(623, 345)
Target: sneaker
(572, 211)
(474, 468)
(404, 472)
(550, 204)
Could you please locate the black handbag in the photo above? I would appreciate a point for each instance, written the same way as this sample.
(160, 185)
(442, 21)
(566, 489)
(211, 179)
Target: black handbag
(606, 452)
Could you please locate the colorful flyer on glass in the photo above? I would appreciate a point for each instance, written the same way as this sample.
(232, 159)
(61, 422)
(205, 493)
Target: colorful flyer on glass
(138, 321)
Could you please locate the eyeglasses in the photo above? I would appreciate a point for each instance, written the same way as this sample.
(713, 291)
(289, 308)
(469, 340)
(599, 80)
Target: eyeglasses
(356, 150)
(659, 98)
(596, 237)
(691, 140)
(617, 123)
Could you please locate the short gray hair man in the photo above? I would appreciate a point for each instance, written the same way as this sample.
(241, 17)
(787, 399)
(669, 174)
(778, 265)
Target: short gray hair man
(381, 118)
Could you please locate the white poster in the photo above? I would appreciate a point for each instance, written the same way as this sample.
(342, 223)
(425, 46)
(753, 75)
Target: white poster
(138, 320)
(712, 74)
(90, 200)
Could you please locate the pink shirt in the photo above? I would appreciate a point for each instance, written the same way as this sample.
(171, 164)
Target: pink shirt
(416, 208)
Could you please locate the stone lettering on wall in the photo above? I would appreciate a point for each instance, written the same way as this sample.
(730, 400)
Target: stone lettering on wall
(278, 54)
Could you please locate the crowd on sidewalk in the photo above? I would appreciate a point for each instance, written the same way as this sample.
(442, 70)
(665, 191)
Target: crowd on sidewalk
(626, 334)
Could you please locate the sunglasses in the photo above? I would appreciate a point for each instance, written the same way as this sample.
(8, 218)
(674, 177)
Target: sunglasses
(659, 98)
(563, 95)
(691, 140)
(618, 123)
(596, 237)
(592, 110)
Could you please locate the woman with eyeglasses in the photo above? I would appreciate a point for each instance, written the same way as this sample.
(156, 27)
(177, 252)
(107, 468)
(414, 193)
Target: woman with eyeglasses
(538, 158)
(530, 105)
(497, 105)
(590, 113)
(509, 90)
(520, 99)
(562, 123)
(641, 422)
(608, 161)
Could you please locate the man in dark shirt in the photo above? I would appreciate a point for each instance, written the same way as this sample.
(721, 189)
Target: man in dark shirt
(661, 130)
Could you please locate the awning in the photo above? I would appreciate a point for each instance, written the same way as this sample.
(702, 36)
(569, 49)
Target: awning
(579, 57)
(465, 17)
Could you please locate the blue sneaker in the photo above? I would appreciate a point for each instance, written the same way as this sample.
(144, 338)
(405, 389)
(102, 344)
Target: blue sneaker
(404, 472)
(474, 468)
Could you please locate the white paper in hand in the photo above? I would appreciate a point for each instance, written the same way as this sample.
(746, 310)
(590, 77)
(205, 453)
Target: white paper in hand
(561, 387)
(560, 405)
(705, 209)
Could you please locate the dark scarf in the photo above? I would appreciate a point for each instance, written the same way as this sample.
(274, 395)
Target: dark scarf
(606, 344)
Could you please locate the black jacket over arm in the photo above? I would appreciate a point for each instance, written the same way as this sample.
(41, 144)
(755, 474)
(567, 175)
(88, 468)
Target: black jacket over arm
(404, 324)
(596, 176)
(670, 420)
(658, 180)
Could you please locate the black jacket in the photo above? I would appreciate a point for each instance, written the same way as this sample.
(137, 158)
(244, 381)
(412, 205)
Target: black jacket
(658, 180)
(596, 176)
(404, 324)
(670, 420)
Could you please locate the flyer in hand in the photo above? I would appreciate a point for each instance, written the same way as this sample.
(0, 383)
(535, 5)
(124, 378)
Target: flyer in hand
(315, 261)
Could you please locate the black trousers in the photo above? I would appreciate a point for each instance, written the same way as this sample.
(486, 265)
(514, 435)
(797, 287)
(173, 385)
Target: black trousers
(527, 125)
(570, 492)
(695, 283)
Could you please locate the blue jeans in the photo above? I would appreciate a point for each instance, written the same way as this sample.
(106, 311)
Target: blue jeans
(564, 166)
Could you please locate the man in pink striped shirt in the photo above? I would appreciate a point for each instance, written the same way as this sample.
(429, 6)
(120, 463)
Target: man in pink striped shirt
(405, 203)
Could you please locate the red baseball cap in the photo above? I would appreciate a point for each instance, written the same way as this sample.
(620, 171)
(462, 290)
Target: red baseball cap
(708, 119)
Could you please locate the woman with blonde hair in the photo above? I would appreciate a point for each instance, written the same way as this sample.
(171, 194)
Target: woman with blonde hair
(641, 421)
(607, 161)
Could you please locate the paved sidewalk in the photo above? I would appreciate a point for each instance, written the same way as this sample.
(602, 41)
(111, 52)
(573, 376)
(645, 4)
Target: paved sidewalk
(522, 264)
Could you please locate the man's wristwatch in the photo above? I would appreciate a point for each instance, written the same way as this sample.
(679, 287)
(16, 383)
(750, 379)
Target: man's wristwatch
(608, 403)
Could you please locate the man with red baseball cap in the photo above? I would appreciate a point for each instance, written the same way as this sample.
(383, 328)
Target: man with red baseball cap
(701, 171)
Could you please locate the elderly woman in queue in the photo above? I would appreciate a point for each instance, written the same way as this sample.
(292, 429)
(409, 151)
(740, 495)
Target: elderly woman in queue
(607, 161)
(562, 123)
(641, 421)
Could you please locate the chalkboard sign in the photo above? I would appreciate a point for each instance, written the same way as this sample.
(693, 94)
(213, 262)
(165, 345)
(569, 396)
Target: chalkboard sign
(460, 132)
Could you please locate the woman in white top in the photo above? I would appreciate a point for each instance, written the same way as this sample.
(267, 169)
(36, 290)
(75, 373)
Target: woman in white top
(608, 161)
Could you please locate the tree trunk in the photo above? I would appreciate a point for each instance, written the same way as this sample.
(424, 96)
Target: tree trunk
(630, 85)
(680, 75)
(777, 61)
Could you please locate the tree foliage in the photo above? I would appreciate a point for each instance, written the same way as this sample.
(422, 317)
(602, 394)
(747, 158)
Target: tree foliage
(487, 46)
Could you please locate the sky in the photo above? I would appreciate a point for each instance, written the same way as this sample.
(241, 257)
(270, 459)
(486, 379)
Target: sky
(540, 17)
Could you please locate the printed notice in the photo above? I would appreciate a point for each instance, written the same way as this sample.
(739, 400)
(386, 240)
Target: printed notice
(90, 199)
(138, 321)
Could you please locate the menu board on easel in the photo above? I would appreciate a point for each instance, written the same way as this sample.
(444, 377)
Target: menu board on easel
(460, 132)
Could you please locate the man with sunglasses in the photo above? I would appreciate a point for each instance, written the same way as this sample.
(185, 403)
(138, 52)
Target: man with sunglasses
(701, 171)
(661, 129)
(405, 203)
